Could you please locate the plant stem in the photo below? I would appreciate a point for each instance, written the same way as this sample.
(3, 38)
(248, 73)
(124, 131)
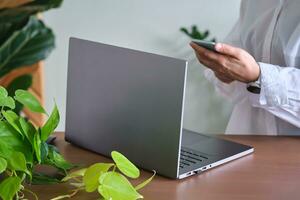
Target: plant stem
(32, 193)
(67, 195)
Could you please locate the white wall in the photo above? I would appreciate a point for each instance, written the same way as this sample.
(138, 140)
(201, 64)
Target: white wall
(148, 25)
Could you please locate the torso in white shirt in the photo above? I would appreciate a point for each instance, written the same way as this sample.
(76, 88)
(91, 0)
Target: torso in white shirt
(270, 31)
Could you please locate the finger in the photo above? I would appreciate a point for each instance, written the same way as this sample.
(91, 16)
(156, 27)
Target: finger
(204, 53)
(206, 62)
(206, 57)
(228, 50)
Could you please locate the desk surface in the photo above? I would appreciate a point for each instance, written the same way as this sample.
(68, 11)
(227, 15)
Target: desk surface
(272, 172)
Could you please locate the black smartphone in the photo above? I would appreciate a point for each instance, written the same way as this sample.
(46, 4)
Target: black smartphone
(206, 44)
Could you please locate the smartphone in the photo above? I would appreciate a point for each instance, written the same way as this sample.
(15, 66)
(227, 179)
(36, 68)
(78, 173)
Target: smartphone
(206, 44)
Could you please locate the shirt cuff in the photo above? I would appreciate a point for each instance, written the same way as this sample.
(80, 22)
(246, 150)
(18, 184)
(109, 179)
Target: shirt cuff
(273, 91)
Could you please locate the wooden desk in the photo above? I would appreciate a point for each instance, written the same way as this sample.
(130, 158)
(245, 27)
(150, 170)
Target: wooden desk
(272, 172)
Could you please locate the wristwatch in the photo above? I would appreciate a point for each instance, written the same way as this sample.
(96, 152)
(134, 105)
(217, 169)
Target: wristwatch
(254, 87)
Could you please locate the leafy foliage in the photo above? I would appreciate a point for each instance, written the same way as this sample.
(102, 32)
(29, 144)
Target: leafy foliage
(25, 46)
(104, 178)
(22, 82)
(24, 39)
(194, 33)
(23, 147)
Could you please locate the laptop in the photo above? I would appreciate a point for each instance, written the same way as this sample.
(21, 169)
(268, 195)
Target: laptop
(133, 102)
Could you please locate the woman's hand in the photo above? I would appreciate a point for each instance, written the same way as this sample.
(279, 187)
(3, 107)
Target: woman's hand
(229, 64)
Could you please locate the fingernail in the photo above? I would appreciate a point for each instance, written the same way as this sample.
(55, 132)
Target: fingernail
(218, 46)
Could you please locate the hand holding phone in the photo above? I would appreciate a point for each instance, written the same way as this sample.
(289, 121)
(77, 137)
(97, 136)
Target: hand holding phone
(206, 44)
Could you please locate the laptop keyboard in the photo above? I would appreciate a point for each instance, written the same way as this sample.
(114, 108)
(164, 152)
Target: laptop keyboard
(188, 158)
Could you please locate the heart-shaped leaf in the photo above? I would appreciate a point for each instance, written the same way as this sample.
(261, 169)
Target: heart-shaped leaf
(114, 185)
(3, 92)
(22, 82)
(28, 100)
(10, 138)
(124, 165)
(5, 100)
(13, 119)
(3, 165)
(92, 174)
(9, 187)
(17, 162)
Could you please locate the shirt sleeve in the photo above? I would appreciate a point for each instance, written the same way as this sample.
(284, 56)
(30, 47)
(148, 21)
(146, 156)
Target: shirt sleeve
(280, 92)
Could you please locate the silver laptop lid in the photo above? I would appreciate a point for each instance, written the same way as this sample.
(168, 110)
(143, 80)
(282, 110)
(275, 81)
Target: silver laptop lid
(126, 100)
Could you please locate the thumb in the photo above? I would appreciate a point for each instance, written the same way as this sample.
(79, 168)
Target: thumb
(228, 50)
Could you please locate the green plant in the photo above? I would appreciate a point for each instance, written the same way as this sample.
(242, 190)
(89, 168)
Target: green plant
(23, 146)
(24, 38)
(194, 33)
(104, 178)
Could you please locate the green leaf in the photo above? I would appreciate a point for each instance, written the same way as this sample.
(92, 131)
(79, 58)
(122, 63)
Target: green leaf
(44, 151)
(75, 174)
(13, 119)
(57, 160)
(113, 185)
(9, 187)
(28, 100)
(124, 165)
(22, 82)
(184, 30)
(92, 174)
(3, 165)
(5, 100)
(27, 129)
(3, 92)
(37, 146)
(17, 162)
(41, 179)
(50, 125)
(146, 182)
(10, 138)
(5, 150)
(26, 46)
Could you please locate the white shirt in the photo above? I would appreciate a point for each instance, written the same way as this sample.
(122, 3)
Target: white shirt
(270, 31)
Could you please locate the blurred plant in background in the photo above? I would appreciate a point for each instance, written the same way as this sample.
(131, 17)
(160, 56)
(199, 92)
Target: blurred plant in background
(194, 33)
(24, 39)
